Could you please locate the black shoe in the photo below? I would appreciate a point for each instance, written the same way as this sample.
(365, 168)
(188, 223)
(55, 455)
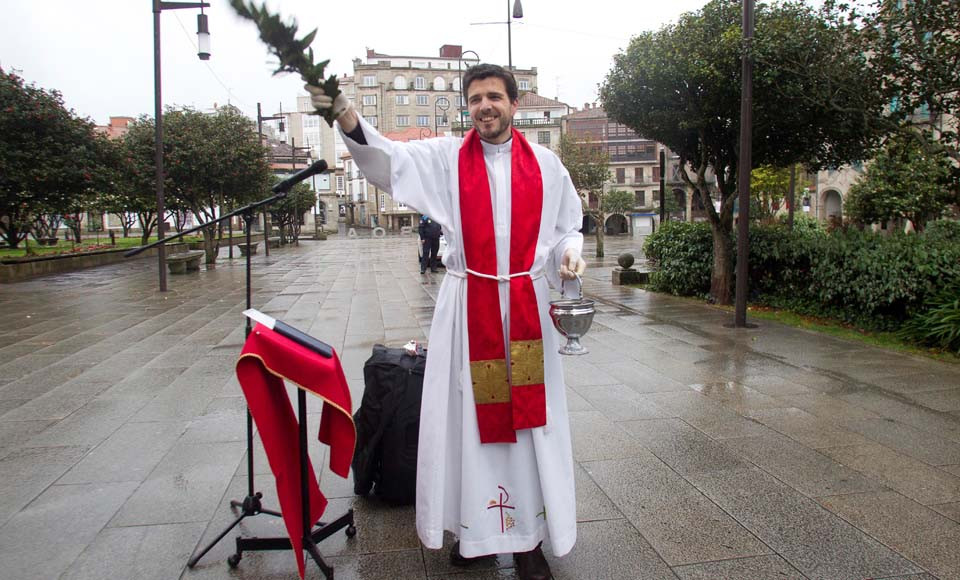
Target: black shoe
(460, 561)
(434, 270)
(532, 565)
(423, 271)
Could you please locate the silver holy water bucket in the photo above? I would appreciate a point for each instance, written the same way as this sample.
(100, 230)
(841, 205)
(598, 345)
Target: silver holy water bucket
(572, 318)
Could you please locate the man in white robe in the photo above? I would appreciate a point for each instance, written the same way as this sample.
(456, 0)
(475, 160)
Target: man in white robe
(500, 497)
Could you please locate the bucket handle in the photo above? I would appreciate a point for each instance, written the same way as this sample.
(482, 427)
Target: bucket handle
(579, 286)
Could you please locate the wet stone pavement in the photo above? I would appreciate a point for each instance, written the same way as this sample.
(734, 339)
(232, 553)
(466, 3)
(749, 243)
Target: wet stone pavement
(701, 452)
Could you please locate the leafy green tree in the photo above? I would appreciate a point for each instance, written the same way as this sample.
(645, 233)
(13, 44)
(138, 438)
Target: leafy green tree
(210, 160)
(137, 193)
(680, 85)
(770, 186)
(48, 156)
(915, 53)
(904, 181)
(287, 214)
(589, 168)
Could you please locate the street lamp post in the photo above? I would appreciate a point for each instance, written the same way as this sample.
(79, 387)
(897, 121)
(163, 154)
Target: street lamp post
(517, 13)
(293, 155)
(743, 170)
(463, 93)
(442, 103)
(260, 120)
(203, 52)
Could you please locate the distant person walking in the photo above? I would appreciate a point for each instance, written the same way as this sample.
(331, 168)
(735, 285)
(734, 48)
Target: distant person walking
(430, 232)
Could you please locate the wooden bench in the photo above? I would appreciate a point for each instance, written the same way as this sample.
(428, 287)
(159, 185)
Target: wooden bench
(184, 262)
(274, 242)
(245, 247)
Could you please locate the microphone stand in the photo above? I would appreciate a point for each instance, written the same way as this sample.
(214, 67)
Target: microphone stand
(251, 505)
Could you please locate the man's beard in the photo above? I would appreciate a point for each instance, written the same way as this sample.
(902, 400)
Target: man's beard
(502, 125)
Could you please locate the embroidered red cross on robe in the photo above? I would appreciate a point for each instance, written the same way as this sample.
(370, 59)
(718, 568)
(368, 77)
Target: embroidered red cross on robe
(515, 398)
(266, 361)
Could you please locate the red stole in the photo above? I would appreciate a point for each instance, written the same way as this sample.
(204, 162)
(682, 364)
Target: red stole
(505, 401)
(267, 359)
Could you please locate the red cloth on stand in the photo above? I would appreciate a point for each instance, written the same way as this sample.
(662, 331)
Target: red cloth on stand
(266, 361)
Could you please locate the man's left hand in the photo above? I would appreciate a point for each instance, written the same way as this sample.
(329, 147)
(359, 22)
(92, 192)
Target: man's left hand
(572, 265)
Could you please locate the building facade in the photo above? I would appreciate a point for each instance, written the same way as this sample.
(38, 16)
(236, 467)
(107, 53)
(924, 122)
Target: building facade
(394, 93)
(634, 167)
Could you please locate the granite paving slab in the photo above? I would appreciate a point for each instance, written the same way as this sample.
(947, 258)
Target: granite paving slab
(682, 447)
(800, 467)
(26, 473)
(42, 540)
(681, 524)
(129, 454)
(914, 479)
(810, 538)
(184, 487)
(805, 428)
(753, 568)
(923, 445)
(136, 552)
(917, 532)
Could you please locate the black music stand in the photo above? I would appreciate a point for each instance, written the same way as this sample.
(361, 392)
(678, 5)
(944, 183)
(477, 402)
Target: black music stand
(311, 535)
(251, 504)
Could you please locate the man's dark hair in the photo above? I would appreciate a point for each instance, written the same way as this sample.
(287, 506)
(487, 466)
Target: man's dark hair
(482, 71)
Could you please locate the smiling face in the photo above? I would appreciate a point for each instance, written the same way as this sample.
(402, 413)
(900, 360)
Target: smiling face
(491, 109)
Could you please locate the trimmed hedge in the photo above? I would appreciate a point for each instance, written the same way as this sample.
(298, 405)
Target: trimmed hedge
(683, 253)
(874, 281)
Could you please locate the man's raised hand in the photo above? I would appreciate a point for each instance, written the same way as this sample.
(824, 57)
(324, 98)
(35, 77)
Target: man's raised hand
(342, 110)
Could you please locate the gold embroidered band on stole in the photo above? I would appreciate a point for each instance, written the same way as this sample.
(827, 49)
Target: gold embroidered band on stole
(526, 362)
(490, 381)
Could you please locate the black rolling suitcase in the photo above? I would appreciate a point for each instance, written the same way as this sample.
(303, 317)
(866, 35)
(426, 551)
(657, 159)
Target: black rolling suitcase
(388, 425)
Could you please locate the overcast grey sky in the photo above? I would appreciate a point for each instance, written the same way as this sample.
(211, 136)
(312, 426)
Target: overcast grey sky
(99, 53)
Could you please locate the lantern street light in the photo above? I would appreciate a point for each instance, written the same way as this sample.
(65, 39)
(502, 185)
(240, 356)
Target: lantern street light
(463, 92)
(203, 51)
(441, 104)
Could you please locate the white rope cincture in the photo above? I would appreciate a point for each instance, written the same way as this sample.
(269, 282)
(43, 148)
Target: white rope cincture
(507, 278)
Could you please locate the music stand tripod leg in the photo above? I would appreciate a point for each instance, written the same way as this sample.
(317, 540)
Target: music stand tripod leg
(250, 506)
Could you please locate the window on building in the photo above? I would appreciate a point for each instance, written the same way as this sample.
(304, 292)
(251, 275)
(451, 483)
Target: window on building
(656, 173)
(621, 175)
(403, 120)
(442, 121)
(340, 184)
(439, 84)
(423, 120)
(383, 202)
(523, 85)
(370, 80)
(641, 197)
(423, 100)
(403, 99)
(638, 174)
(369, 99)
(543, 137)
(420, 83)
(400, 83)
(401, 205)
(455, 85)
(372, 119)
(459, 101)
